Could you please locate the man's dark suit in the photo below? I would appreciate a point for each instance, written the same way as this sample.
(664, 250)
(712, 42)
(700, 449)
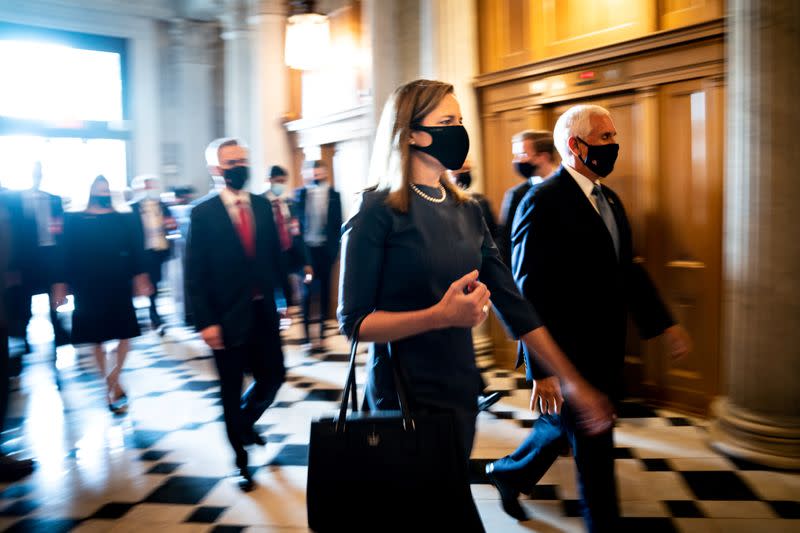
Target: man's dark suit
(154, 259)
(234, 291)
(508, 210)
(564, 262)
(35, 263)
(322, 257)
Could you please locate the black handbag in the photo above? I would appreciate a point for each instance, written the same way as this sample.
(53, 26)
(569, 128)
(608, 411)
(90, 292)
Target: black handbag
(386, 470)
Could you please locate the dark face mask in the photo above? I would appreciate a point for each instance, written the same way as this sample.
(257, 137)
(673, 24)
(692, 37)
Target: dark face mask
(450, 144)
(524, 169)
(236, 177)
(100, 201)
(600, 158)
(464, 180)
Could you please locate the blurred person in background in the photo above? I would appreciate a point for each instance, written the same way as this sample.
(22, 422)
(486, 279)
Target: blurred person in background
(10, 469)
(37, 228)
(103, 266)
(535, 158)
(319, 208)
(463, 179)
(292, 243)
(155, 223)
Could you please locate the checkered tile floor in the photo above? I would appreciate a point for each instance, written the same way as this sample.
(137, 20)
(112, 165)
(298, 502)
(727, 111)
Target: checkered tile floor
(165, 465)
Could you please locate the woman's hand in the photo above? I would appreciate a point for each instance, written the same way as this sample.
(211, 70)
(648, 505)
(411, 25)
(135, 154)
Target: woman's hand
(465, 304)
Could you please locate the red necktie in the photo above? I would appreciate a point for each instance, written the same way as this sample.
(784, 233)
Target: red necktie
(246, 229)
(283, 233)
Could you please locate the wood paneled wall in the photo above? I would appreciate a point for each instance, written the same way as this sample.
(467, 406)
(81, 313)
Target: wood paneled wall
(518, 32)
(666, 94)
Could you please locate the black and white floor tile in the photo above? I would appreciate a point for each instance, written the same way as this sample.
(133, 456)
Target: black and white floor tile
(165, 465)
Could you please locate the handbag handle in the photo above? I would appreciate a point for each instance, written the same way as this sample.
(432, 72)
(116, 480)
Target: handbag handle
(350, 385)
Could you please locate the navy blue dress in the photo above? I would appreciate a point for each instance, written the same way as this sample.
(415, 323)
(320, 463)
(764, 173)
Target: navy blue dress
(393, 261)
(102, 254)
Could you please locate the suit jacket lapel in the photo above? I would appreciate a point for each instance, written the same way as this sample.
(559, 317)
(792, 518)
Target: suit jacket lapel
(226, 223)
(585, 208)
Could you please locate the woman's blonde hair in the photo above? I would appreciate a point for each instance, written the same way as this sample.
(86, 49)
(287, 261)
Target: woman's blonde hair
(390, 166)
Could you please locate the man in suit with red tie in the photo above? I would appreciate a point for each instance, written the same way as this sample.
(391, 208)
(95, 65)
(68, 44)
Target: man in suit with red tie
(234, 263)
(573, 258)
(294, 247)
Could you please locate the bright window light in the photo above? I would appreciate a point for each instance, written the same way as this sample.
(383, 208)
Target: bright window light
(68, 165)
(44, 81)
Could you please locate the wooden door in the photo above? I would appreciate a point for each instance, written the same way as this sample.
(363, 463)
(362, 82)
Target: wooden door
(690, 209)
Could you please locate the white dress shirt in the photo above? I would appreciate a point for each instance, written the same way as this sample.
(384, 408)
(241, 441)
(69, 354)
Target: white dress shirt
(231, 198)
(155, 237)
(586, 185)
(37, 205)
(317, 214)
(284, 205)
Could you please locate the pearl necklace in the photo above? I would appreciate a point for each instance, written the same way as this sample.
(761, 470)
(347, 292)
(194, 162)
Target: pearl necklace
(429, 197)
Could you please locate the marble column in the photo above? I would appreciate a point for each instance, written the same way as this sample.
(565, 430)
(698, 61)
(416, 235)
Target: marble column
(238, 68)
(192, 101)
(269, 89)
(759, 419)
(448, 48)
(449, 53)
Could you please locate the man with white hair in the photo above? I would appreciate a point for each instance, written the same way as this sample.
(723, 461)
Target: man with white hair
(155, 223)
(233, 266)
(573, 256)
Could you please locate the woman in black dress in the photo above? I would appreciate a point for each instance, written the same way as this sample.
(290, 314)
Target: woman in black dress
(102, 263)
(418, 261)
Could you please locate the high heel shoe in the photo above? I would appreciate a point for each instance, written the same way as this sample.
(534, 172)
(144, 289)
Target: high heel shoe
(119, 406)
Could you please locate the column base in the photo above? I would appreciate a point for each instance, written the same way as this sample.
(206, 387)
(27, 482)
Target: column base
(763, 439)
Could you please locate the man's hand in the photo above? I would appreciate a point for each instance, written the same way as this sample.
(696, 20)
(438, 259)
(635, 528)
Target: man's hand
(308, 276)
(212, 335)
(594, 411)
(546, 395)
(678, 341)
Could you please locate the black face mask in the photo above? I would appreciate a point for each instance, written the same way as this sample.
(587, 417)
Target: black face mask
(100, 201)
(450, 144)
(236, 177)
(464, 180)
(526, 170)
(600, 158)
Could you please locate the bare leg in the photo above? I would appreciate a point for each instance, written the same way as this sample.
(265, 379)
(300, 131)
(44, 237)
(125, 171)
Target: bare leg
(100, 357)
(121, 353)
(102, 365)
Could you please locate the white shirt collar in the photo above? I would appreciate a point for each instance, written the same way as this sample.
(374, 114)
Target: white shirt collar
(586, 185)
(230, 197)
